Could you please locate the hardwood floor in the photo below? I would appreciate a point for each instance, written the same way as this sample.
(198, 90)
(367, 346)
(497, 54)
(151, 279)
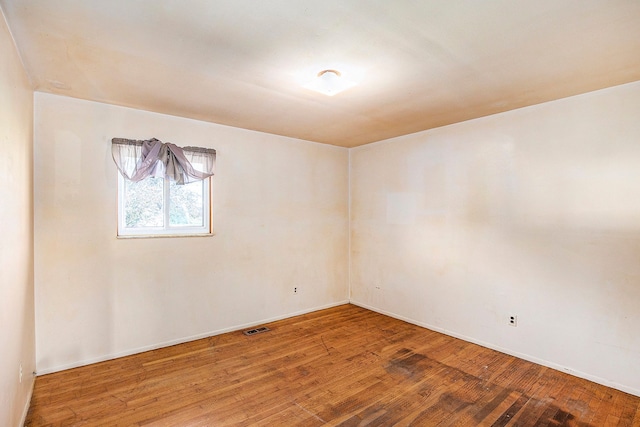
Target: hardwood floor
(343, 366)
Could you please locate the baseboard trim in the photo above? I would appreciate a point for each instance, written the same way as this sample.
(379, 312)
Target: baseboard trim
(27, 405)
(117, 355)
(527, 357)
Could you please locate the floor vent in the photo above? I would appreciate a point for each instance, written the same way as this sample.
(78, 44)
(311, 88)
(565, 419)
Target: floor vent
(256, 331)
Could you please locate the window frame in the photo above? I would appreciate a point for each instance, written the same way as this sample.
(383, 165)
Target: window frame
(167, 230)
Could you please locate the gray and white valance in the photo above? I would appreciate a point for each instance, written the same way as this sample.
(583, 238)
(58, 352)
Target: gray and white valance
(140, 159)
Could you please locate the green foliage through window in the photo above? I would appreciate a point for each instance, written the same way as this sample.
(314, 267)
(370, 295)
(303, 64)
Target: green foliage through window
(153, 206)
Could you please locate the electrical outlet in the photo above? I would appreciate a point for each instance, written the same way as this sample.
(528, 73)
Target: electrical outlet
(295, 290)
(21, 373)
(513, 320)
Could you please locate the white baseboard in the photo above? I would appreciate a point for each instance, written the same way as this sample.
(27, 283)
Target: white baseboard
(552, 365)
(112, 356)
(27, 405)
(548, 364)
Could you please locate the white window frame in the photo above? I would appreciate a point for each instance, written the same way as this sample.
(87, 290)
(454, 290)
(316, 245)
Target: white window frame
(167, 230)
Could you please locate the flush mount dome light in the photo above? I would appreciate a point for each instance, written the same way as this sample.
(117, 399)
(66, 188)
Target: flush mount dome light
(329, 82)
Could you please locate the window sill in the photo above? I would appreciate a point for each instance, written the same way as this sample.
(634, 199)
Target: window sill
(161, 236)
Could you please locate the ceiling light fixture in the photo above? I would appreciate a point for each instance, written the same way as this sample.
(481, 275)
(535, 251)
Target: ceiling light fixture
(330, 82)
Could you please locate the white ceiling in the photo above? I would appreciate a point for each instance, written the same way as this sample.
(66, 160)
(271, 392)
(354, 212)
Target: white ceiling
(419, 64)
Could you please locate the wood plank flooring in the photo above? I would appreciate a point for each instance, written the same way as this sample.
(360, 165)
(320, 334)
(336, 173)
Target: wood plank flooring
(345, 366)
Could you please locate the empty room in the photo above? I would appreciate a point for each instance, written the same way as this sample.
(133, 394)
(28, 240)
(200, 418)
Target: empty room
(303, 213)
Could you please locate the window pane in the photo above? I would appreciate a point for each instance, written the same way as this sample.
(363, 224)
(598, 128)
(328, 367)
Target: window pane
(185, 204)
(143, 203)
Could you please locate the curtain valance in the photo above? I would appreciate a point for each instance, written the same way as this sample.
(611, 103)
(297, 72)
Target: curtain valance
(140, 159)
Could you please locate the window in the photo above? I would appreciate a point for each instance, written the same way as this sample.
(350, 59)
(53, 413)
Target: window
(163, 190)
(158, 206)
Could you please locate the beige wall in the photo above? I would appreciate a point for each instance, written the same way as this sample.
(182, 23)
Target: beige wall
(280, 218)
(17, 342)
(534, 212)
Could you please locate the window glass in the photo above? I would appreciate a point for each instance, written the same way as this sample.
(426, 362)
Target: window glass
(186, 204)
(144, 201)
(159, 207)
